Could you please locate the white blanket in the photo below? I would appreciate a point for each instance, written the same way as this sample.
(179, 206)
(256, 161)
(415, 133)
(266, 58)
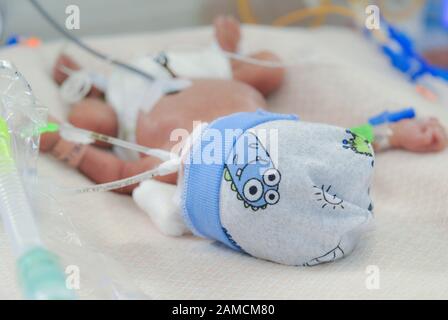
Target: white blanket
(340, 79)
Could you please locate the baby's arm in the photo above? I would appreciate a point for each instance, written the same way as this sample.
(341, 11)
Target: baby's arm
(417, 136)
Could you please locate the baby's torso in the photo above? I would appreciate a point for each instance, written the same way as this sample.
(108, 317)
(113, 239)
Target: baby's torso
(148, 117)
(204, 101)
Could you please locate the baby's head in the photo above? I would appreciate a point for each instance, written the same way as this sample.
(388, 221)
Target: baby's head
(287, 191)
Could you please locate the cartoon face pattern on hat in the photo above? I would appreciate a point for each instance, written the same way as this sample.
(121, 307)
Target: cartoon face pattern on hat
(357, 144)
(252, 174)
(324, 204)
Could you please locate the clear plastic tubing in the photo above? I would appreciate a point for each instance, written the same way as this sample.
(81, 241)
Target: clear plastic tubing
(81, 135)
(170, 166)
(39, 271)
(15, 209)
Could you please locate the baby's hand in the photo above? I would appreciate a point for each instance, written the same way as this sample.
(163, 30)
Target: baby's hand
(419, 135)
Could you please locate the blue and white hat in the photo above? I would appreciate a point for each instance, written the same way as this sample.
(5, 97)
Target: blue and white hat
(279, 189)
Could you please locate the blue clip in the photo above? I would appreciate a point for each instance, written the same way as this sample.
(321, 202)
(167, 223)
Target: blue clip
(438, 72)
(408, 60)
(403, 40)
(12, 40)
(386, 116)
(398, 60)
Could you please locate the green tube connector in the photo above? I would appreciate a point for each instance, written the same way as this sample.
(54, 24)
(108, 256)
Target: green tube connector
(42, 276)
(365, 131)
(5, 140)
(50, 127)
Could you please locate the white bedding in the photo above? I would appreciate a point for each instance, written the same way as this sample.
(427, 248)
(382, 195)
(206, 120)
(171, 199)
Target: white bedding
(340, 79)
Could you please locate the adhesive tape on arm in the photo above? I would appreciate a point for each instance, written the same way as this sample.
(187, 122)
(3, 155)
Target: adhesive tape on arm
(76, 87)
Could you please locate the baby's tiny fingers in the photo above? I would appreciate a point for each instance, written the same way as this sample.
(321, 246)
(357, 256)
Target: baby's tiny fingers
(426, 137)
(438, 140)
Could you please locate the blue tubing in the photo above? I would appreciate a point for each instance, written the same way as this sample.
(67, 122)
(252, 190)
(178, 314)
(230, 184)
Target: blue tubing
(386, 116)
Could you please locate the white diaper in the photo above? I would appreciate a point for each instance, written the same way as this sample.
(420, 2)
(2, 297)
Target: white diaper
(129, 93)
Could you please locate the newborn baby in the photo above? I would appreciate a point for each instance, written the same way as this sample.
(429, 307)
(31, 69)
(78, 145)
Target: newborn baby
(307, 205)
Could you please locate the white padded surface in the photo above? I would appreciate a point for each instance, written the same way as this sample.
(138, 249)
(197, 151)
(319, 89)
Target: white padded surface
(341, 80)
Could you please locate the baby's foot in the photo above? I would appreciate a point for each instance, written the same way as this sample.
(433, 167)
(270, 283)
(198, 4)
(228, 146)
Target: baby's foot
(63, 62)
(227, 33)
(419, 136)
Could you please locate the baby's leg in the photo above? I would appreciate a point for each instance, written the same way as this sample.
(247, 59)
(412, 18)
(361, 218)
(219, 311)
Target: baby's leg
(102, 166)
(265, 79)
(94, 115)
(90, 114)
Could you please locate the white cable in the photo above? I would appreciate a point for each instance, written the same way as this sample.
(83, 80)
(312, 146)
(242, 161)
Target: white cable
(83, 136)
(255, 61)
(234, 55)
(84, 46)
(168, 167)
